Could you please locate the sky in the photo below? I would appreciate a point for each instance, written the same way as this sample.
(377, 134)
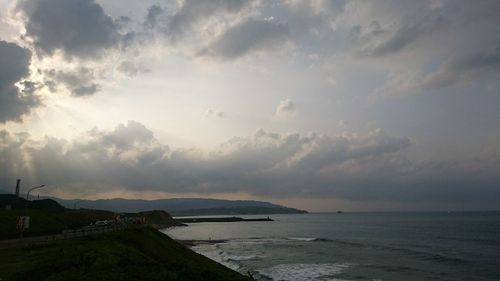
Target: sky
(320, 105)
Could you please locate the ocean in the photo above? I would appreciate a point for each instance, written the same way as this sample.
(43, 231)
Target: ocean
(356, 246)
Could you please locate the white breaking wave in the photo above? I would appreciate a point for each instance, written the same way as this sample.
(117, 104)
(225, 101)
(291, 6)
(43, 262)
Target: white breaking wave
(212, 252)
(243, 258)
(304, 272)
(306, 239)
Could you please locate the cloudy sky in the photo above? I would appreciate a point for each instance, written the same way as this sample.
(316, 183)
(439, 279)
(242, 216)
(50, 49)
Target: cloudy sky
(321, 105)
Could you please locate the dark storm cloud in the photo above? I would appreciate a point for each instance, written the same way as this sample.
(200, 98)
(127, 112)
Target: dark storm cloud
(14, 66)
(152, 16)
(250, 35)
(408, 23)
(78, 28)
(278, 165)
(414, 21)
(79, 82)
(464, 69)
(397, 40)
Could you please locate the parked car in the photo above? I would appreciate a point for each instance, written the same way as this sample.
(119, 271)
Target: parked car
(102, 223)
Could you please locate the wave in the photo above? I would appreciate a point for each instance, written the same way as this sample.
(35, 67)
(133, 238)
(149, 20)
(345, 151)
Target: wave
(243, 257)
(425, 255)
(400, 268)
(302, 272)
(236, 258)
(471, 239)
(213, 252)
(309, 239)
(305, 239)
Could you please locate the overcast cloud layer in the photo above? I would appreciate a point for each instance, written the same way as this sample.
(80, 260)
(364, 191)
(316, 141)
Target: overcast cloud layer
(369, 167)
(200, 77)
(14, 67)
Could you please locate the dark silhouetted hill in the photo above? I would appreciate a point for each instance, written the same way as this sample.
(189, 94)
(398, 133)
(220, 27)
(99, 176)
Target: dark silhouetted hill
(158, 217)
(183, 206)
(21, 203)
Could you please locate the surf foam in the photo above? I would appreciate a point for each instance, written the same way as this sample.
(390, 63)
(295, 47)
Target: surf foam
(213, 252)
(304, 272)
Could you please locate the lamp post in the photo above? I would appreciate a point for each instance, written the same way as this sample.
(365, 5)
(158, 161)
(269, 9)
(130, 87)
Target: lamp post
(36, 187)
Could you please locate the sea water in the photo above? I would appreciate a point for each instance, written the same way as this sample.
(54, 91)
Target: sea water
(356, 246)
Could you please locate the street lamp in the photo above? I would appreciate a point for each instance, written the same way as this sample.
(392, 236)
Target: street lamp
(36, 187)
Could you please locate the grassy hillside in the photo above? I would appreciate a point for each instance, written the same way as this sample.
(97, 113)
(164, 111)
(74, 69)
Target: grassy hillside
(20, 203)
(156, 217)
(128, 255)
(53, 221)
(48, 221)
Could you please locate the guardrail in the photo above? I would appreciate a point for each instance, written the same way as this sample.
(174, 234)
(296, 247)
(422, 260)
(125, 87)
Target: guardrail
(90, 230)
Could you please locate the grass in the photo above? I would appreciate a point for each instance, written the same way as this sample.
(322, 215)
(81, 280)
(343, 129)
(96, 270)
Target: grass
(48, 221)
(127, 255)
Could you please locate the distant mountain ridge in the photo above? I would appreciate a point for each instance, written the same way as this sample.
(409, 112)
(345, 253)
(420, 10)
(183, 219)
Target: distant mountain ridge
(182, 206)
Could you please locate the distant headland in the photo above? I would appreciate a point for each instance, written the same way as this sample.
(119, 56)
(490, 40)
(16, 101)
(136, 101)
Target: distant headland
(183, 206)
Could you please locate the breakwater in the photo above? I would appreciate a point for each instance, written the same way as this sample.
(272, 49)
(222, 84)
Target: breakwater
(219, 219)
